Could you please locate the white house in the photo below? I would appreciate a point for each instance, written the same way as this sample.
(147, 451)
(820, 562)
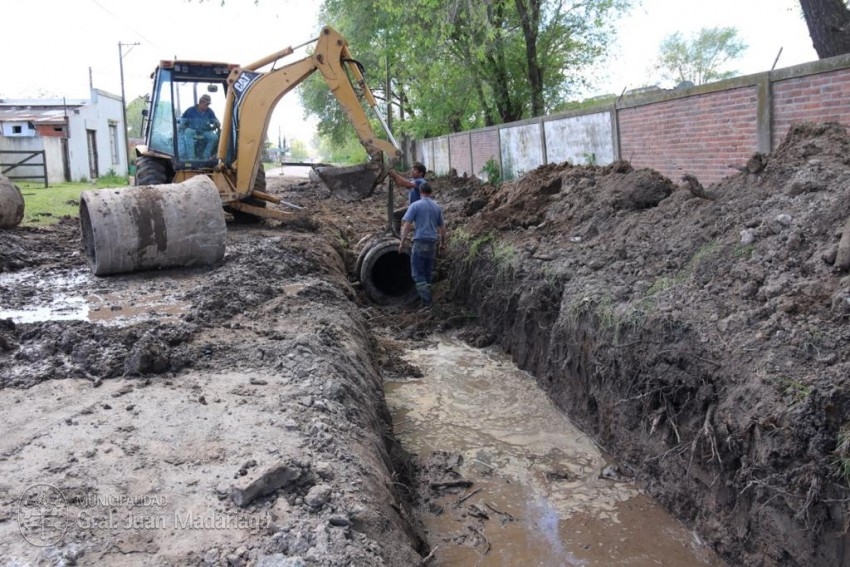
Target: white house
(81, 139)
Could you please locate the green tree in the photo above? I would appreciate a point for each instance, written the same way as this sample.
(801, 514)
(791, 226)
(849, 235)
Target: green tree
(134, 117)
(700, 59)
(457, 65)
(347, 153)
(298, 150)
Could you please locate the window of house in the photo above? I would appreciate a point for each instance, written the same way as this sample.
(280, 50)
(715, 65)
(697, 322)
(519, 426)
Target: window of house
(17, 130)
(113, 143)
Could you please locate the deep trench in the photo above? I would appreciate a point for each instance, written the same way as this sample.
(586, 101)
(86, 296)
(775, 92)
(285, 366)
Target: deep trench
(583, 512)
(614, 381)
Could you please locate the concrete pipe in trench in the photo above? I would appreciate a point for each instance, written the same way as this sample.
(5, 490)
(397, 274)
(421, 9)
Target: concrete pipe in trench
(153, 226)
(384, 273)
(11, 204)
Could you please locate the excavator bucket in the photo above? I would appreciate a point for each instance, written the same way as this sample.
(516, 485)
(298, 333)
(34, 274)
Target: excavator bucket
(352, 183)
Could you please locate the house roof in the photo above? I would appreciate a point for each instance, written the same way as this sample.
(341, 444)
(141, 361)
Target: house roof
(43, 111)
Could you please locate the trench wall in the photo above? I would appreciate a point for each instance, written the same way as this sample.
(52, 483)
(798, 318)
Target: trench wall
(605, 378)
(702, 130)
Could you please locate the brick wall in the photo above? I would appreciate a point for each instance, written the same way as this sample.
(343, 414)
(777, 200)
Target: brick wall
(814, 98)
(702, 130)
(701, 134)
(485, 146)
(460, 157)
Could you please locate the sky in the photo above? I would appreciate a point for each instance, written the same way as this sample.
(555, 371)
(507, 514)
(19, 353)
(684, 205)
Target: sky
(765, 26)
(55, 48)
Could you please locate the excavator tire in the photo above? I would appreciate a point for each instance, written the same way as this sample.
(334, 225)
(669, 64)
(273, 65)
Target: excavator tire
(151, 171)
(260, 185)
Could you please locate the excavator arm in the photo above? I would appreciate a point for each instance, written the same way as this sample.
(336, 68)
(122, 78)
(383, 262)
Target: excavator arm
(252, 96)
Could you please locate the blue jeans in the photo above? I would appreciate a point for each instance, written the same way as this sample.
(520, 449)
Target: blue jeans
(422, 267)
(191, 137)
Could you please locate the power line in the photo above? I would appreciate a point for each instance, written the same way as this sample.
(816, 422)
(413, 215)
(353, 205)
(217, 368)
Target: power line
(124, 22)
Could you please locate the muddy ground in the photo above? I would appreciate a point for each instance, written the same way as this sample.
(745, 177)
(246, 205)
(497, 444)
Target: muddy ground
(231, 415)
(698, 334)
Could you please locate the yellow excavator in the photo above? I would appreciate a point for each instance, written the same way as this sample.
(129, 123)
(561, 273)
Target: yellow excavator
(195, 166)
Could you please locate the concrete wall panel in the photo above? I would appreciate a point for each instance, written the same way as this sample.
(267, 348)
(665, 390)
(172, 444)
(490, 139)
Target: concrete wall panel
(522, 150)
(586, 139)
(440, 158)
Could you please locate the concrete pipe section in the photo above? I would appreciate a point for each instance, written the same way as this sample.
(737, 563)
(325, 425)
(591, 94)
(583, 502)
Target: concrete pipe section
(153, 226)
(384, 273)
(11, 204)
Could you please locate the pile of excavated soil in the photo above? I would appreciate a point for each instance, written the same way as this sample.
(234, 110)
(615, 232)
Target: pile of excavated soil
(699, 333)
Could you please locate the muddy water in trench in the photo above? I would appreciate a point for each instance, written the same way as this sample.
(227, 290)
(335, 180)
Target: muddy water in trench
(549, 495)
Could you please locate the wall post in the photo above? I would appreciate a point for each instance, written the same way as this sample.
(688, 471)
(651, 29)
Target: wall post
(764, 114)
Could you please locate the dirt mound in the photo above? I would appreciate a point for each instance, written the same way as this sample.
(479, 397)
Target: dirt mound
(558, 198)
(699, 333)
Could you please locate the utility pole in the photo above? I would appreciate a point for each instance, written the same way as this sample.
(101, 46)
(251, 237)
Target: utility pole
(390, 184)
(121, 47)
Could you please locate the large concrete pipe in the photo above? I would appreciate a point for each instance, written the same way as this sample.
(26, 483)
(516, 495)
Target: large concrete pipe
(384, 273)
(153, 226)
(11, 204)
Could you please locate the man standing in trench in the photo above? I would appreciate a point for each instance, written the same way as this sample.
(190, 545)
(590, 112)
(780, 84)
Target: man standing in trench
(429, 235)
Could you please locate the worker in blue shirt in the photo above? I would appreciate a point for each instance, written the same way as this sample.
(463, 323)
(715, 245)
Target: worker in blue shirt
(429, 236)
(200, 121)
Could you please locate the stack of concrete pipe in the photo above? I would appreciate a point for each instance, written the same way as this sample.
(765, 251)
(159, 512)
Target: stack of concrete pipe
(383, 273)
(11, 204)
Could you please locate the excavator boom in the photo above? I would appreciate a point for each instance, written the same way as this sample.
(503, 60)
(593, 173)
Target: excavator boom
(253, 95)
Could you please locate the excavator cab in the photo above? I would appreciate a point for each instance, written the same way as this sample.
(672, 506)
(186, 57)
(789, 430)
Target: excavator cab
(179, 146)
(182, 138)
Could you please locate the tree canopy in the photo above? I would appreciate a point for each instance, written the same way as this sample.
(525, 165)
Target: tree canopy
(700, 59)
(455, 65)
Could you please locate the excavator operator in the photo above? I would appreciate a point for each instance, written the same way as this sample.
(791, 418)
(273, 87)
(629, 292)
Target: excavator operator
(200, 123)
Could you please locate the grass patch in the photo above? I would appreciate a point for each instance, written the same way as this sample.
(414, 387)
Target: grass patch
(744, 251)
(842, 454)
(794, 391)
(619, 321)
(44, 206)
(665, 282)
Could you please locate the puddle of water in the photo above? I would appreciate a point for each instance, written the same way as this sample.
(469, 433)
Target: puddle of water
(79, 296)
(539, 476)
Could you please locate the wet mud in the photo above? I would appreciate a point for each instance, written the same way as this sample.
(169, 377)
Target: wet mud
(230, 415)
(509, 480)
